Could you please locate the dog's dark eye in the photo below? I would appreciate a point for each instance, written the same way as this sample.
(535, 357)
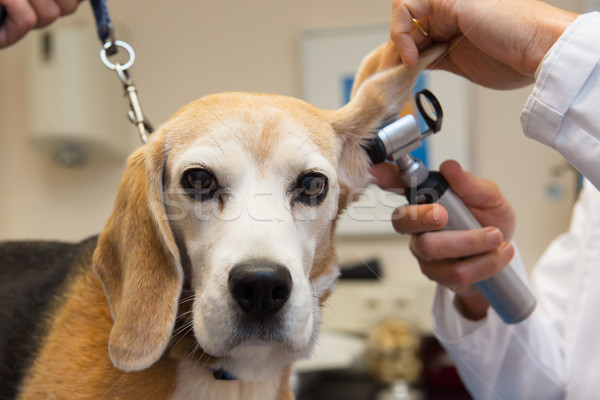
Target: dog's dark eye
(200, 183)
(310, 189)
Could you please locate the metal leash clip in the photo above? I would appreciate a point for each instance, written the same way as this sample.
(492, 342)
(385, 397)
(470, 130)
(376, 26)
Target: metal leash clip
(136, 116)
(110, 48)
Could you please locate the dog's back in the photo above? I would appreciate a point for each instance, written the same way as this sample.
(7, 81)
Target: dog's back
(31, 275)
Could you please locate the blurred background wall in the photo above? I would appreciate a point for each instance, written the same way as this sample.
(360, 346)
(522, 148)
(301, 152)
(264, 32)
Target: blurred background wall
(188, 49)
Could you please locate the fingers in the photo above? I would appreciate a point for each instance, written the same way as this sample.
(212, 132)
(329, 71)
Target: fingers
(67, 6)
(21, 18)
(422, 218)
(402, 30)
(25, 15)
(463, 180)
(460, 275)
(387, 176)
(474, 191)
(46, 12)
(432, 246)
(482, 196)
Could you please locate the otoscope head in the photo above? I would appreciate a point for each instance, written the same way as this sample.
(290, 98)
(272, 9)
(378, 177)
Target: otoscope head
(375, 150)
(402, 136)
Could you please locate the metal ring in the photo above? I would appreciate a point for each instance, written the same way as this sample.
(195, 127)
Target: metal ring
(123, 75)
(123, 45)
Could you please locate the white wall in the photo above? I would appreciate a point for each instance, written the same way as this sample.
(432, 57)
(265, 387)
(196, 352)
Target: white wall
(184, 50)
(189, 49)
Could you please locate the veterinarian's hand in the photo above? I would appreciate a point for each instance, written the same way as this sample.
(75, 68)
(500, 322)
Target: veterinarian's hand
(25, 15)
(457, 259)
(498, 44)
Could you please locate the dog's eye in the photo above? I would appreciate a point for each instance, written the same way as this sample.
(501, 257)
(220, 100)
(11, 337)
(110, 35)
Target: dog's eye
(310, 189)
(200, 183)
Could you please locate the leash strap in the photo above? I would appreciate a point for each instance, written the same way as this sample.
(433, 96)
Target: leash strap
(104, 25)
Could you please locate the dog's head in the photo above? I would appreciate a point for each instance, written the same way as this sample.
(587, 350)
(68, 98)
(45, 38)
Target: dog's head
(233, 202)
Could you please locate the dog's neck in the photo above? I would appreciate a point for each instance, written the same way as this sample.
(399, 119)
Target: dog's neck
(192, 380)
(185, 347)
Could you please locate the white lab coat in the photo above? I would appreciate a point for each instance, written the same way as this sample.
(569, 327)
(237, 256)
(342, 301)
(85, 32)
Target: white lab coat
(555, 353)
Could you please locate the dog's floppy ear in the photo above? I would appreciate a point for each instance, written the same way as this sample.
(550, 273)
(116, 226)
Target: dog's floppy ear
(376, 97)
(138, 262)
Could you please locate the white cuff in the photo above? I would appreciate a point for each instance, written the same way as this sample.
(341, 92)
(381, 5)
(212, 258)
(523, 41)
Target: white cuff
(556, 85)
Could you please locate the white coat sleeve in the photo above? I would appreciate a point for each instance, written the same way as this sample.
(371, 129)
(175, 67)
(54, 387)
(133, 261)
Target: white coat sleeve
(500, 361)
(527, 360)
(530, 360)
(562, 110)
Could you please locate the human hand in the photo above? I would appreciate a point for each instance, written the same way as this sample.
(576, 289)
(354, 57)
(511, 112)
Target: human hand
(25, 15)
(457, 259)
(498, 44)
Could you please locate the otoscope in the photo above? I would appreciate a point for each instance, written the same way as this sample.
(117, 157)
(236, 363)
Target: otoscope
(505, 291)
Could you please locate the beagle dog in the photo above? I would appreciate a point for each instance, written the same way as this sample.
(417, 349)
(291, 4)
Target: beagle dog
(207, 281)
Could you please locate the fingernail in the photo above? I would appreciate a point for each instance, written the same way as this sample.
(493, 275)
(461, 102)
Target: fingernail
(494, 236)
(433, 217)
(508, 250)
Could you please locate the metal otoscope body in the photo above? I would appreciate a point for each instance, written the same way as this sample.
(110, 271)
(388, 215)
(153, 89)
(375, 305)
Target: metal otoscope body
(505, 291)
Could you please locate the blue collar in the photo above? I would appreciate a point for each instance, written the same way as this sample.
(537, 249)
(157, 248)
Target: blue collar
(221, 374)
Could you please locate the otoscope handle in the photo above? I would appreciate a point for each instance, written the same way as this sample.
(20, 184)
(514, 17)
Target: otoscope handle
(505, 291)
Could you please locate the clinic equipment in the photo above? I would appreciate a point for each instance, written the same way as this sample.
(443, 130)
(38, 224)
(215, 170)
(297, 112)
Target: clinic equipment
(505, 291)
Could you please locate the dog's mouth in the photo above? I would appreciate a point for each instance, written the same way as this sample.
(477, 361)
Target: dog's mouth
(250, 333)
(268, 329)
(260, 311)
(247, 333)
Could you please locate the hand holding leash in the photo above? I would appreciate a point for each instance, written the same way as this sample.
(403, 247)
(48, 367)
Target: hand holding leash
(23, 15)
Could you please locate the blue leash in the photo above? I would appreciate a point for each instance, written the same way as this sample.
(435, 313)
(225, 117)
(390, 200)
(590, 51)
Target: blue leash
(103, 21)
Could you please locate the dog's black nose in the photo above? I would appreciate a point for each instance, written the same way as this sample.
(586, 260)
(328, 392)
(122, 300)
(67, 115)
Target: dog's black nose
(260, 288)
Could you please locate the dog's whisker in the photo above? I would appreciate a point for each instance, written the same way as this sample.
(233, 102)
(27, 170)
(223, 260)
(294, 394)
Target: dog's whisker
(184, 329)
(187, 300)
(183, 335)
(185, 314)
(192, 355)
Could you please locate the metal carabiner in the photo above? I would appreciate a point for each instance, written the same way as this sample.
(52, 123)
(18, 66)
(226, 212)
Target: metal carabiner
(110, 47)
(136, 116)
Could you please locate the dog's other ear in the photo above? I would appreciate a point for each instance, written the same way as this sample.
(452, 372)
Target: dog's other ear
(376, 97)
(138, 262)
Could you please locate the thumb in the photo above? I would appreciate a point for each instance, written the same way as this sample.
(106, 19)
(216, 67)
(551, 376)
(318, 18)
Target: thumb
(475, 192)
(457, 178)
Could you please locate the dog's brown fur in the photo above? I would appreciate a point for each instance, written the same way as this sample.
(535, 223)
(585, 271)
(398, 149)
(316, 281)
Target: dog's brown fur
(131, 301)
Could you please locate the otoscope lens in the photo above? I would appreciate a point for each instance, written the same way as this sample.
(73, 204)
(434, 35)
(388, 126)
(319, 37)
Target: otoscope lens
(430, 109)
(427, 107)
